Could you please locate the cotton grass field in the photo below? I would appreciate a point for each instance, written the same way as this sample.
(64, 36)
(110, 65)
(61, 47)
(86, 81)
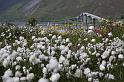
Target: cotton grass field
(35, 54)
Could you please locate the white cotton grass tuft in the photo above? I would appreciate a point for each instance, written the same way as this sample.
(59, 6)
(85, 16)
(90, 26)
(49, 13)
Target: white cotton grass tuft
(33, 37)
(105, 54)
(67, 40)
(17, 67)
(82, 47)
(62, 47)
(86, 71)
(22, 79)
(61, 59)
(16, 79)
(18, 74)
(30, 76)
(55, 77)
(45, 71)
(90, 79)
(113, 52)
(43, 80)
(78, 73)
(54, 37)
(110, 76)
(7, 73)
(53, 65)
(9, 79)
(73, 66)
(97, 54)
(19, 58)
(90, 31)
(69, 54)
(59, 38)
(85, 39)
(50, 34)
(14, 63)
(91, 27)
(121, 56)
(21, 38)
(53, 53)
(5, 63)
(32, 58)
(110, 34)
(102, 67)
(93, 40)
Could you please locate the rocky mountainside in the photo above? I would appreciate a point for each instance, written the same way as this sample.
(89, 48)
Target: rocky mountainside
(58, 9)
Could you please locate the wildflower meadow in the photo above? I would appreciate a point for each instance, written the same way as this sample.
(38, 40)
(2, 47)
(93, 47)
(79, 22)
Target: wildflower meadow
(38, 54)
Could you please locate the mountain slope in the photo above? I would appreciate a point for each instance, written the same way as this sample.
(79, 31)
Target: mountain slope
(57, 9)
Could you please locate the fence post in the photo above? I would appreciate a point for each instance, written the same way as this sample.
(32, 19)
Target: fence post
(94, 22)
(86, 23)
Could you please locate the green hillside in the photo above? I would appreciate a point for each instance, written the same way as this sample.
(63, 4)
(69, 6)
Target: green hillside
(58, 9)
